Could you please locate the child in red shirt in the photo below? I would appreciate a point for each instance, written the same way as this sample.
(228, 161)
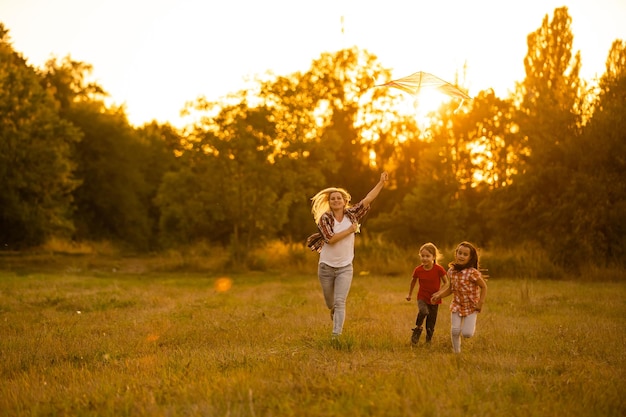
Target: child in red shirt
(430, 275)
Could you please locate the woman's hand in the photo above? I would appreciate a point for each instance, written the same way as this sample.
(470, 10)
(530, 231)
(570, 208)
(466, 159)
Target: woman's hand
(376, 190)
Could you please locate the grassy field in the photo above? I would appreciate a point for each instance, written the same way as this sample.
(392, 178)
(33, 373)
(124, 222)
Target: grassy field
(104, 343)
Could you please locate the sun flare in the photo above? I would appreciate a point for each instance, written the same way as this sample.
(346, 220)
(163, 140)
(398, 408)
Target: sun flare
(223, 284)
(422, 106)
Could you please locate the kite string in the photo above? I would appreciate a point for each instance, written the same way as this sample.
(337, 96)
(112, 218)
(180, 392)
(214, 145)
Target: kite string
(460, 105)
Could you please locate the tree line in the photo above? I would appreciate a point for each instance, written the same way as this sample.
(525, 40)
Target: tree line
(544, 166)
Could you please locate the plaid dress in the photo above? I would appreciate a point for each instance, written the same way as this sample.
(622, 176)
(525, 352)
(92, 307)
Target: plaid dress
(465, 290)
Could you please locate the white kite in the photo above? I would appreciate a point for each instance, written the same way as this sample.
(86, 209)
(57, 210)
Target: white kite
(414, 83)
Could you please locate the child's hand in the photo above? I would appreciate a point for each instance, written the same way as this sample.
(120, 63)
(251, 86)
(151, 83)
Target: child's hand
(408, 298)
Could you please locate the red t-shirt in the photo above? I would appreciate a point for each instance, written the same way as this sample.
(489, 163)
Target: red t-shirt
(430, 281)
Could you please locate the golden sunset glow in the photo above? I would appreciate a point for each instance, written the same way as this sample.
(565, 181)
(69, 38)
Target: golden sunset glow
(154, 56)
(427, 102)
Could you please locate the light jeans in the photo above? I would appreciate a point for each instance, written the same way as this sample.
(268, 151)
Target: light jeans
(335, 286)
(461, 326)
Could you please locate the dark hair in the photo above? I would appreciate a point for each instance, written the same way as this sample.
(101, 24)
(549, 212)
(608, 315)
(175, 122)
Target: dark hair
(473, 260)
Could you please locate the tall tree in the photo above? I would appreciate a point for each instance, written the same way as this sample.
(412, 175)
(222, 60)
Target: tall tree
(112, 200)
(340, 83)
(159, 145)
(437, 201)
(550, 118)
(112, 203)
(36, 168)
(230, 183)
(299, 152)
(550, 94)
(598, 159)
(494, 142)
(273, 148)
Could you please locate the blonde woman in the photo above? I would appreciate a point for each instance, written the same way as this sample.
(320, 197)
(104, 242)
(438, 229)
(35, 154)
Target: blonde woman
(338, 222)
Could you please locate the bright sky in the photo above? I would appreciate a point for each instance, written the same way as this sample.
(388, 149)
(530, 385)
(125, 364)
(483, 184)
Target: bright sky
(155, 55)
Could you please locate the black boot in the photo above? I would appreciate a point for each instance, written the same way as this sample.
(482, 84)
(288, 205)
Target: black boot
(429, 335)
(415, 337)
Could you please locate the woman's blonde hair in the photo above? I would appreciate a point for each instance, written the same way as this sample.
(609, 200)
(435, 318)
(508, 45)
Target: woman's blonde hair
(320, 202)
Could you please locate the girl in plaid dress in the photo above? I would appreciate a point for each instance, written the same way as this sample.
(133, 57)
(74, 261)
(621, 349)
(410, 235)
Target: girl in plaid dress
(469, 290)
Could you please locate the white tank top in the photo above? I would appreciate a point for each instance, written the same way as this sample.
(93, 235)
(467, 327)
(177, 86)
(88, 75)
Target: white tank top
(340, 253)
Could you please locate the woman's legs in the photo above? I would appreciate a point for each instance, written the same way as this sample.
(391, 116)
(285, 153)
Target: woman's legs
(461, 326)
(336, 284)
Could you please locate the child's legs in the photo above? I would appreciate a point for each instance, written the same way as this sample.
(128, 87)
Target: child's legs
(469, 325)
(431, 320)
(423, 311)
(455, 331)
(461, 326)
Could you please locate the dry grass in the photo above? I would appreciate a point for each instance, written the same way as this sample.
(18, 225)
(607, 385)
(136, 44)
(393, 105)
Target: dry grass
(373, 256)
(89, 341)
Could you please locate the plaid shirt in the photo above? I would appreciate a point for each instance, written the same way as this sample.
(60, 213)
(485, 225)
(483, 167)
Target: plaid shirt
(465, 289)
(327, 221)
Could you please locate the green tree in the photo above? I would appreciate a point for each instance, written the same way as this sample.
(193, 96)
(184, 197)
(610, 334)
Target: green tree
(494, 143)
(272, 149)
(429, 212)
(597, 190)
(333, 129)
(447, 177)
(36, 167)
(342, 101)
(159, 145)
(431, 208)
(356, 127)
(550, 106)
(112, 201)
(231, 181)
(488, 150)
(299, 151)
(190, 209)
(550, 96)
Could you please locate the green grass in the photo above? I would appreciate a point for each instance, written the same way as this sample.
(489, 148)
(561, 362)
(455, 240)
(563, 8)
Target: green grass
(99, 343)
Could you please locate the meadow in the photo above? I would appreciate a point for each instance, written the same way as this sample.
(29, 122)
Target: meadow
(96, 340)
